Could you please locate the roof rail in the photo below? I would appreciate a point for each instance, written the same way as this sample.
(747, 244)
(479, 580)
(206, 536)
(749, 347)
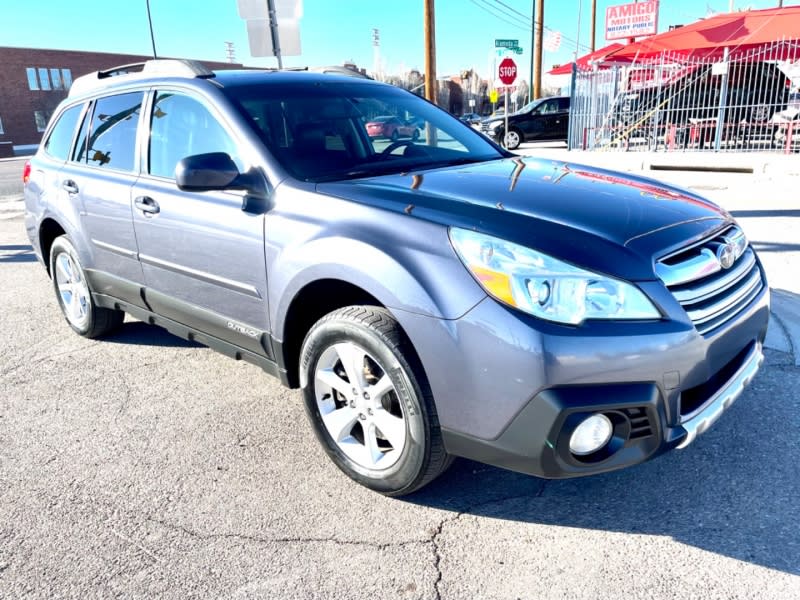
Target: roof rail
(159, 67)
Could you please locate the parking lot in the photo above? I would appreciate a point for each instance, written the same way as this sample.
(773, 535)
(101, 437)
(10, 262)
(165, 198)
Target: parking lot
(147, 466)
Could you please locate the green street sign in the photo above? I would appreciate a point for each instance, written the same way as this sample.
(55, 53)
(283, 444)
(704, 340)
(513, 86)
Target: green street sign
(517, 50)
(506, 43)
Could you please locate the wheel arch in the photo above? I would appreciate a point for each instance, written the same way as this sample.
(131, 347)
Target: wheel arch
(49, 230)
(312, 302)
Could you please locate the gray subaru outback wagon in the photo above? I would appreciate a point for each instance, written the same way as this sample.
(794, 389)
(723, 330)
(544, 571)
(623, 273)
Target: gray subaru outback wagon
(433, 297)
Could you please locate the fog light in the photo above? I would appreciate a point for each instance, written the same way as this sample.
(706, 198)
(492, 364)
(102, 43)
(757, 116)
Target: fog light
(592, 434)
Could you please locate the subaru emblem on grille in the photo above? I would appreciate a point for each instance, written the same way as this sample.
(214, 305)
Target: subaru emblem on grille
(726, 255)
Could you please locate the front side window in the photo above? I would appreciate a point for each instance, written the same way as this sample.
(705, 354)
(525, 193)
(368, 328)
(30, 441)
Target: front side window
(108, 139)
(59, 141)
(33, 81)
(181, 126)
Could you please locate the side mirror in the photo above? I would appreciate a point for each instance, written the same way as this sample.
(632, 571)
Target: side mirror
(207, 172)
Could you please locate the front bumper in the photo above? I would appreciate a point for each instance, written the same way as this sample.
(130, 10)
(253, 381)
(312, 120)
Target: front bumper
(537, 441)
(510, 389)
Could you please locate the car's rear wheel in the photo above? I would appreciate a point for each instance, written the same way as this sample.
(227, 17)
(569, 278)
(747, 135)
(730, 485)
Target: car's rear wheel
(74, 296)
(512, 139)
(368, 401)
(395, 135)
(415, 135)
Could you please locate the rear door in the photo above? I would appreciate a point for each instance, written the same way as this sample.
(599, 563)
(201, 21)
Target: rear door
(562, 119)
(100, 175)
(201, 254)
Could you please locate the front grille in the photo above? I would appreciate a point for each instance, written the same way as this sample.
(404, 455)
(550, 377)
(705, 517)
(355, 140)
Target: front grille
(711, 290)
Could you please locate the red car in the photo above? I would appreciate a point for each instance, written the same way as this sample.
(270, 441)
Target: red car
(391, 128)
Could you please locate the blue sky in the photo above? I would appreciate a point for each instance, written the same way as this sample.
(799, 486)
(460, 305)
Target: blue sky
(332, 31)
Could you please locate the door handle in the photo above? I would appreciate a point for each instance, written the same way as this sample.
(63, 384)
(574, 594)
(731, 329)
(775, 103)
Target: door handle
(147, 205)
(70, 186)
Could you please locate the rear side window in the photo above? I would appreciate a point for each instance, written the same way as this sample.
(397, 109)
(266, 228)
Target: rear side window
(108, 138)
(59, 141)
(181, 126)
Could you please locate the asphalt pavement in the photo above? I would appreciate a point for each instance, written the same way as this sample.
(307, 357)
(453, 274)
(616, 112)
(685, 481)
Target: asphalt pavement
(146, 466)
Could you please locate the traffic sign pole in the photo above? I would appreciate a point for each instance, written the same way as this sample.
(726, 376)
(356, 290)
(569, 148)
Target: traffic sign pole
(505, 127)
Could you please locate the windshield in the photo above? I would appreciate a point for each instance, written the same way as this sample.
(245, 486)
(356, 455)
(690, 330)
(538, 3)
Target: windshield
(344, 130)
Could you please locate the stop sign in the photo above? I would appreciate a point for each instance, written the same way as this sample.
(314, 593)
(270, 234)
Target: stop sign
(507, 71)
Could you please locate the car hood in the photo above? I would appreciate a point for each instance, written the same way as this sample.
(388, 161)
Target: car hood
(593, 217)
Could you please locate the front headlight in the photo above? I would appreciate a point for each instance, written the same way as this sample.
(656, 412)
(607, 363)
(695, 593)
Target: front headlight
(544, 286)
(495, 125)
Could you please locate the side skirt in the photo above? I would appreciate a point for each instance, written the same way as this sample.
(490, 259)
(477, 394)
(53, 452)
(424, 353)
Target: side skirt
(193, 335)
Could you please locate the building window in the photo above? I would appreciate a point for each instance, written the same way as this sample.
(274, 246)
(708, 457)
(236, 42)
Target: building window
(44, 79)
(1, 127)
(66, 77)
(33, 82)
(41, 120)
(55, 78)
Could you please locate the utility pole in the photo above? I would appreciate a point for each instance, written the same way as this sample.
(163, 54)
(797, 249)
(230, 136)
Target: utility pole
(533, 43)
(537, 49)
(594, 22)
(430, 52)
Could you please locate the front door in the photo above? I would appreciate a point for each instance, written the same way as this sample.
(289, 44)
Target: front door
(201, 254)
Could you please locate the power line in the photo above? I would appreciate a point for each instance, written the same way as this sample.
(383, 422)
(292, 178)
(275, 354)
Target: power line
(524, 16)
(504, 16)
(488, 9)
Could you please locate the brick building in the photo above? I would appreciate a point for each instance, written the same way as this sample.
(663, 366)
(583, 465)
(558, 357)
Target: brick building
(33, 81)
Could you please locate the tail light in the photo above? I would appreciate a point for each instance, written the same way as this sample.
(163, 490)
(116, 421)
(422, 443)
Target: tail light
(26, 172)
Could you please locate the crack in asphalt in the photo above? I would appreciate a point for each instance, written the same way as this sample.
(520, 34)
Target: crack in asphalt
(37, 360)
(434, 541)
(284, 540)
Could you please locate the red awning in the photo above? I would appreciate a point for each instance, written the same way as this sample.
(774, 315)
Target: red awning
(585, 62)
(736, 31)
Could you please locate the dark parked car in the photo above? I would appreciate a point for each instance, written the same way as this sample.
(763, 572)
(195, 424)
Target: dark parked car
(391, 128)
(545, 119)
(431, 298)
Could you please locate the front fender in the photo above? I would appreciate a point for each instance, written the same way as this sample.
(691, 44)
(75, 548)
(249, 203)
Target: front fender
(404, 262)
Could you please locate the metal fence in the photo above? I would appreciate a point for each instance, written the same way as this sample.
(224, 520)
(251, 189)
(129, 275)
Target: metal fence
(747, 102)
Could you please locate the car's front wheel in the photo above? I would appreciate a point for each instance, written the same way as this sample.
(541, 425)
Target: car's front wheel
(73, 294)
(512, 139)
(369, 402)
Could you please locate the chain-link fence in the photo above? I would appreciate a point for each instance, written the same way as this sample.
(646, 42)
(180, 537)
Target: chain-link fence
(746, 102)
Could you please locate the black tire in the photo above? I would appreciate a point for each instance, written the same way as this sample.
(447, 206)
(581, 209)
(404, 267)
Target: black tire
(415, 135)
(86, 319)
(373, 331)
(395, 136)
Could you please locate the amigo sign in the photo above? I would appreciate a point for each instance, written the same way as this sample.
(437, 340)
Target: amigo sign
(631, 20)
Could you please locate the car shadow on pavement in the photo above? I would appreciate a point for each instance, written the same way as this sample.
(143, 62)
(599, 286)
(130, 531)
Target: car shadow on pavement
(140, 333)
(733, 492)
(16, 253)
